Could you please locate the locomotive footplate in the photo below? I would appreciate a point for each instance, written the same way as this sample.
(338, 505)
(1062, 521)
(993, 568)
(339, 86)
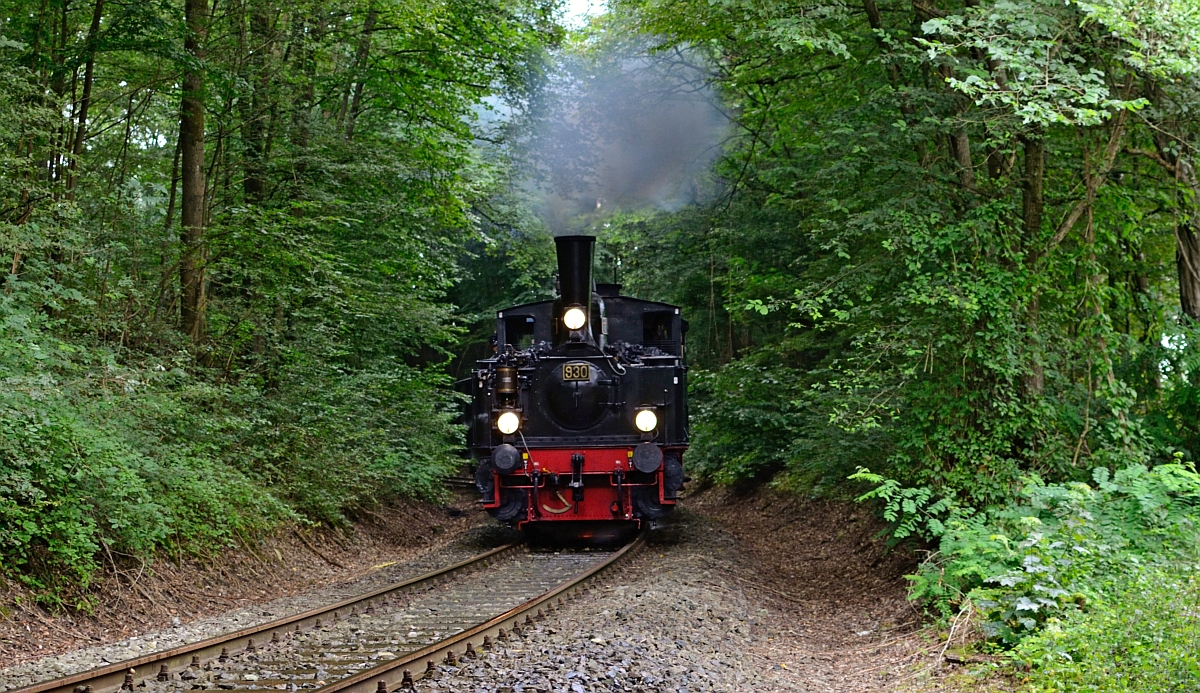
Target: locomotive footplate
(591, 484)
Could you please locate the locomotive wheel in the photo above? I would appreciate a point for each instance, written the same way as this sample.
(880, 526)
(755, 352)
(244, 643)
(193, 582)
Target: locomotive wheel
(672, 475)
(485, 479)
(512, 501)
(646, 505)
(512, 505)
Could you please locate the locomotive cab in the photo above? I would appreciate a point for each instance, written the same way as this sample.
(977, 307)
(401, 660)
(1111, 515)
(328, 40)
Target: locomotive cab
(581, 414)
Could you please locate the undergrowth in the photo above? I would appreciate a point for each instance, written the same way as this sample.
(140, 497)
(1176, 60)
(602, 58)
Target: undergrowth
(1144, 637)
(104, 458)
(1093, 586)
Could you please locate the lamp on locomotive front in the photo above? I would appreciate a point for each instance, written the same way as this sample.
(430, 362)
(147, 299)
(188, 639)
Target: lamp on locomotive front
(646, 420)
(575, 318)
(508, 422)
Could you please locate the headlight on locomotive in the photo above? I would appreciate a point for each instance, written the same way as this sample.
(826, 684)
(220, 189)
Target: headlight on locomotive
(508, 422)
(575, 318)
(646, 420)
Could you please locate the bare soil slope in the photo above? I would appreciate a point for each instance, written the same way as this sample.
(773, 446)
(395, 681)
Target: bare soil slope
(838, 592)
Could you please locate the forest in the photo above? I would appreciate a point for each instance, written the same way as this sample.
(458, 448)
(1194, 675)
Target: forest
(939, 256)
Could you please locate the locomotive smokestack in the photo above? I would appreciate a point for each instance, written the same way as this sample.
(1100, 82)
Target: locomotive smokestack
(575, 269)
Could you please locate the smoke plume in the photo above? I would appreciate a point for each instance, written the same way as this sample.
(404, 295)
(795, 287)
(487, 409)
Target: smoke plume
(621, 131)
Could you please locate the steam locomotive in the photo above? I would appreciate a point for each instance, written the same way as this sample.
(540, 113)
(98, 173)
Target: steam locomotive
(580, 416)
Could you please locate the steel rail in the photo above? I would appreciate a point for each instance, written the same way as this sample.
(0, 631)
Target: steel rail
(111, 677)
(398, 672)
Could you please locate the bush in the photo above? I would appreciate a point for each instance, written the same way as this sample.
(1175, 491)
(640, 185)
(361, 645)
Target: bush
(101, 460)
(1057, 549)
(755, 419)
(1145, 637)
(76, 483)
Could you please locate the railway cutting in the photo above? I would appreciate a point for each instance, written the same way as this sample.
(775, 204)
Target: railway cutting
(376, 643)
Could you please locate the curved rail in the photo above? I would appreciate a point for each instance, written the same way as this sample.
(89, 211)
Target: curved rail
(398, 672)
(113, 676)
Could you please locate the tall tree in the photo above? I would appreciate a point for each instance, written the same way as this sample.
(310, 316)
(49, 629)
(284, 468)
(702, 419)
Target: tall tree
(1174, 151)
(85, 100)
(361, 54)
(966, 329)
(256, 110)
(192, 207)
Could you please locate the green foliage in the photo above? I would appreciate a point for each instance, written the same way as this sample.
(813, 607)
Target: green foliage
(345, 158)
(753, 422)
(874, 237)
(1143, 638)
(74, 480)
(911, 511)
(745, 418)
(1057, 549)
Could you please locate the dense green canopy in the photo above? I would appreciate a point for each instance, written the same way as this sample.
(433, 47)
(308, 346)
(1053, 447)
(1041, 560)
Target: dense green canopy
(228, 229)
(956, 241)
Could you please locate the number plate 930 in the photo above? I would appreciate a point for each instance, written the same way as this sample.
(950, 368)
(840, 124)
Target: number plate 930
(577, 371)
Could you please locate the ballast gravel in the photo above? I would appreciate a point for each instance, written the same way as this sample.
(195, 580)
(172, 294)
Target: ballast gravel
(690, 614)
(668, 621)
(473, 542)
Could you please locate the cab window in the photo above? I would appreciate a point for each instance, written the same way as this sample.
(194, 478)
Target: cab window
(518, 331)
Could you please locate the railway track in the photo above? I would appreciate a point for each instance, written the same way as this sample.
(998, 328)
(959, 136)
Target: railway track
(377, 642)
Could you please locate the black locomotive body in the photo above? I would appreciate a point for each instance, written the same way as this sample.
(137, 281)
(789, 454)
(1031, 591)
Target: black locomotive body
(581, 414)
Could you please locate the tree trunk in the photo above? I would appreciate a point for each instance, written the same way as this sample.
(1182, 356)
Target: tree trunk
(254, 127)
(58, 85)
(1032, 207)
(360, 67)
(1171, 153)
(303, 36)
(1032, 200)
(191, 145)
(163, 306)
(1187, 240)
(960, 148)
(85, 101)
(875, 19)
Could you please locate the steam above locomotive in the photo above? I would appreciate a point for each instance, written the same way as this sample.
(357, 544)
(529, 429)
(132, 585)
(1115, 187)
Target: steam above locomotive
(581, 414)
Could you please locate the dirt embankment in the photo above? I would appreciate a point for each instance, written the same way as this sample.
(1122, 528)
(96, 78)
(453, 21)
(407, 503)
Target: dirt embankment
(843, 622)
